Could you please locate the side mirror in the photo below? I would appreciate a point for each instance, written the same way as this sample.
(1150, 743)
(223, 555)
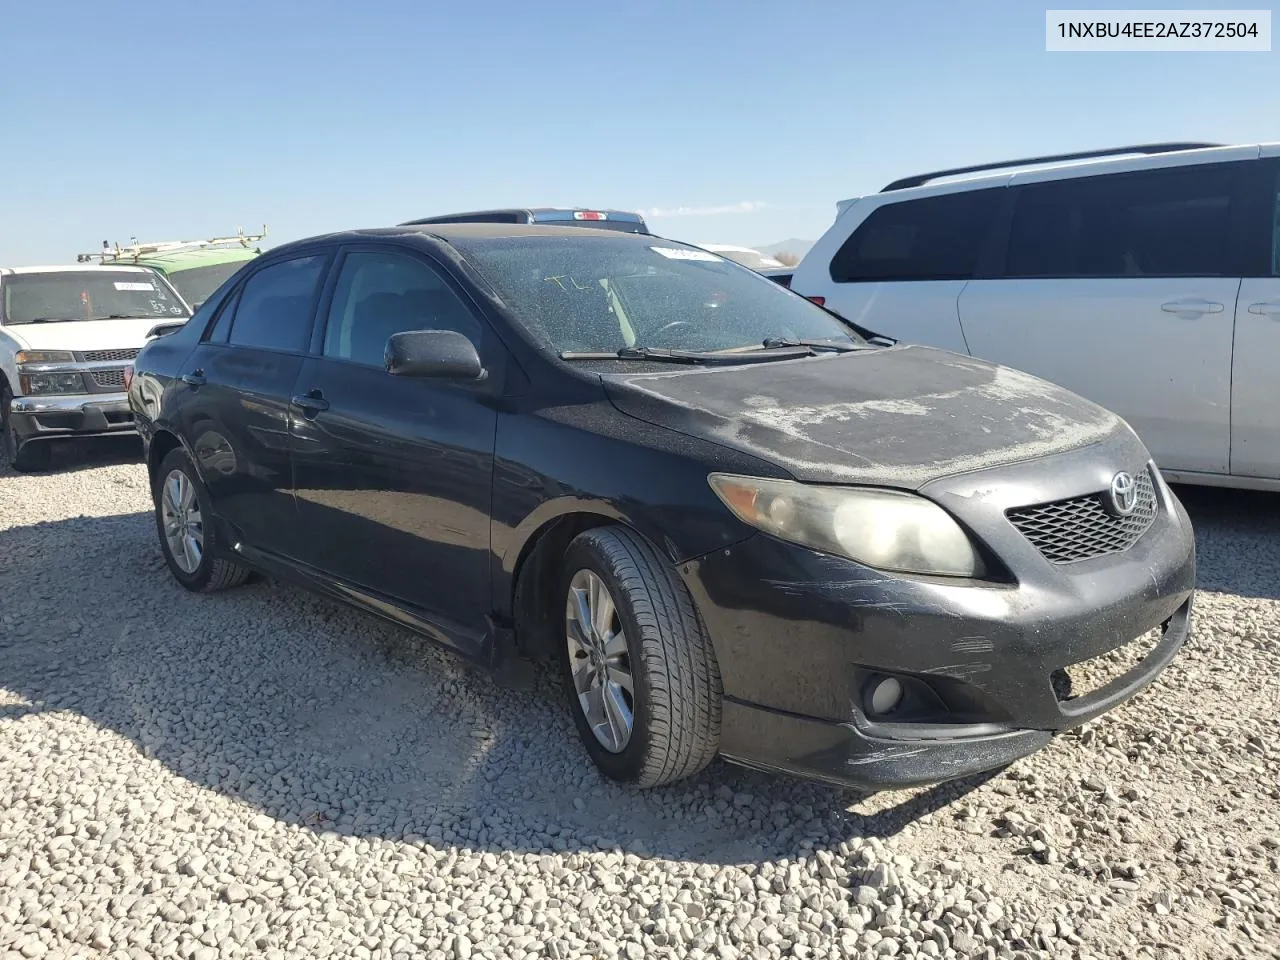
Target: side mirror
(439, 354)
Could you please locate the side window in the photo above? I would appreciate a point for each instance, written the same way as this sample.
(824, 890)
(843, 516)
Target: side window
(275, 305)
(1162, 223)
(222, 324)
(933, 238)
(384, 292)
(1275, 230)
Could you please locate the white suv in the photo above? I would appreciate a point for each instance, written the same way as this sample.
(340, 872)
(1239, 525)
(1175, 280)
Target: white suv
(66, 336)
(1149, 284)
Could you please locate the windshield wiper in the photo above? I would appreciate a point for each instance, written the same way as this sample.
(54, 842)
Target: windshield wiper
(840, 346)
(115, 316)
(665, 355)
(51, 320)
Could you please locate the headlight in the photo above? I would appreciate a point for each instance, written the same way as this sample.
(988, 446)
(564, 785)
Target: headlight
(881, 528)
(44, 356)
(34, 384)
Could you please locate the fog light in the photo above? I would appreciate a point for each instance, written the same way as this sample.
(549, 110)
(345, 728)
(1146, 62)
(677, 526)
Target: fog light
(884, 695)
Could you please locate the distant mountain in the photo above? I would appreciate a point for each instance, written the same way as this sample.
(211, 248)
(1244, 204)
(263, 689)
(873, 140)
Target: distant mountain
(798, 247)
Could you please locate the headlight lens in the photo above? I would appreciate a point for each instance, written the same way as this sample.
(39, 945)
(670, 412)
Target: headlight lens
(34, 384)
(44, 356)
(881, 528)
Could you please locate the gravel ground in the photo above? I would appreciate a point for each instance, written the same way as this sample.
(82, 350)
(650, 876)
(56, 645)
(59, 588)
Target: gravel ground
(265, 773)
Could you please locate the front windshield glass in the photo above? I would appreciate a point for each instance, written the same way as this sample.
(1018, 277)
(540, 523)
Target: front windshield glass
(597, 294)
(87, 295)
(198, 283)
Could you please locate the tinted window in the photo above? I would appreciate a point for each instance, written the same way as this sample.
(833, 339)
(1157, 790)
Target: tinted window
(222, 325)
(934, 238)
(382, 293)
(1275, 230)
(588, 294)
(274, 310)
(197, 284)
(1166, 223)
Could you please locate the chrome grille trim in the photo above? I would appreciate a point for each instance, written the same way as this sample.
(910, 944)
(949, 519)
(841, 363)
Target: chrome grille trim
(1082, 528)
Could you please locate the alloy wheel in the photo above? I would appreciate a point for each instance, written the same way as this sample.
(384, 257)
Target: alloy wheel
(183, 525)
(599, 661)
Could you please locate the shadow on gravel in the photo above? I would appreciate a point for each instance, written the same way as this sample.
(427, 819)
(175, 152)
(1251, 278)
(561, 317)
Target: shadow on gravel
(323, 717)
(70, 456)
(1237, 540)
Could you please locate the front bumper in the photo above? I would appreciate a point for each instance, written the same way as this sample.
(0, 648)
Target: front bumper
(80, 415)
(797, 633)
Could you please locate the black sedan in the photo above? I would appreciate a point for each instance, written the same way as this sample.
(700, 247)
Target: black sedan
(743, 529)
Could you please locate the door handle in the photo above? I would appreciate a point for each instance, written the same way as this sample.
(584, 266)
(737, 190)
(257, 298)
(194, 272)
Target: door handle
(1191, 308)
(195, 378)
(1267, 308)
(310, 403)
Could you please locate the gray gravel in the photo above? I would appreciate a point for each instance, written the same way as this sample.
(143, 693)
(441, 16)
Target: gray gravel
(265, 773)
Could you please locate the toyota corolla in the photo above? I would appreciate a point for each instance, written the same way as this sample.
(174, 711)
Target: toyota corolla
(742, 528)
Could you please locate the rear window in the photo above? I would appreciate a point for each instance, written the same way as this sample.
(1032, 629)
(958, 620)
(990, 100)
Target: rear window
(1165, 223)
(933, 238)
(197, 284)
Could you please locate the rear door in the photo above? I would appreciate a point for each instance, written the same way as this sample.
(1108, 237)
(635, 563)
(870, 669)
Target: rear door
(394, 474)
(901, 270)
(1255, 396)
(239, 381)
(1123, 289)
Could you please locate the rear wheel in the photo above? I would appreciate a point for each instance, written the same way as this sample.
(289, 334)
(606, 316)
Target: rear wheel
(188, 537)
(29, 456)
(642, 678)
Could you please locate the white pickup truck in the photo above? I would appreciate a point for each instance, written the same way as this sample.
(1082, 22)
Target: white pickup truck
(66, 335)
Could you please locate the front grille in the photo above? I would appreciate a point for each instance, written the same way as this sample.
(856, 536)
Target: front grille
(108, 378)
(1082, 528)
(103, 356)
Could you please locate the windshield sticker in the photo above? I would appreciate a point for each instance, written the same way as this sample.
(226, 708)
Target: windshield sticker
(675, 253)
(129, 285)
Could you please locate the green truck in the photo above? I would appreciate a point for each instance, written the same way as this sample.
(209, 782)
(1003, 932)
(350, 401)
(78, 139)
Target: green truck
(195, 268)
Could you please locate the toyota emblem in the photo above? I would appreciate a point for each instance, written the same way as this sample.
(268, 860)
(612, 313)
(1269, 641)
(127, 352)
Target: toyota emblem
(1124, 494)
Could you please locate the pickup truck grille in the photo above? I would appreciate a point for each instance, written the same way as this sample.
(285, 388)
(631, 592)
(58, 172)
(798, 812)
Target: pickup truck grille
(108, 378)
(102, 356)
(1067, 531)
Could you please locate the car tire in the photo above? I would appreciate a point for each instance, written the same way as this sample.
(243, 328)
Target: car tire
(675, 697)
(24, 457)
(207, 569)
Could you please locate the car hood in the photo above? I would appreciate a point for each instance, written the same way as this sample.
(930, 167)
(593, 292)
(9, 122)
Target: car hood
(83, 334)
(899, 416)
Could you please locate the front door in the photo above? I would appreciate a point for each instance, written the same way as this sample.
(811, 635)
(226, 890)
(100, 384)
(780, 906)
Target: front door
(393, 475)
(1123, 289)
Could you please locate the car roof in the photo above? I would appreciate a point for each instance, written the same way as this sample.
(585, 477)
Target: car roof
(70, 268)
(186, 259)
(466, 231)
(629, 215)
(1039, 172)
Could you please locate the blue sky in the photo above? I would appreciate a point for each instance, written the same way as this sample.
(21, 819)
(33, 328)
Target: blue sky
(167, 120)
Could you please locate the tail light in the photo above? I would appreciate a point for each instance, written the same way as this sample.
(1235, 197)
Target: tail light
(820, 301)
(128, 376)
(590, 215)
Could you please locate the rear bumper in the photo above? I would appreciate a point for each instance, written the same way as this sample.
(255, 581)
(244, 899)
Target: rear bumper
(81, 415)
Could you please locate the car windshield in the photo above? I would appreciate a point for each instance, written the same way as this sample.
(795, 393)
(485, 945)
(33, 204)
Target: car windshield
(197, 284)
(88, 295)
(598, 294)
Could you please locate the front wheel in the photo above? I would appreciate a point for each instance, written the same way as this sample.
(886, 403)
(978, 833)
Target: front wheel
(642, 678)
(188, 536)
(24, 457)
